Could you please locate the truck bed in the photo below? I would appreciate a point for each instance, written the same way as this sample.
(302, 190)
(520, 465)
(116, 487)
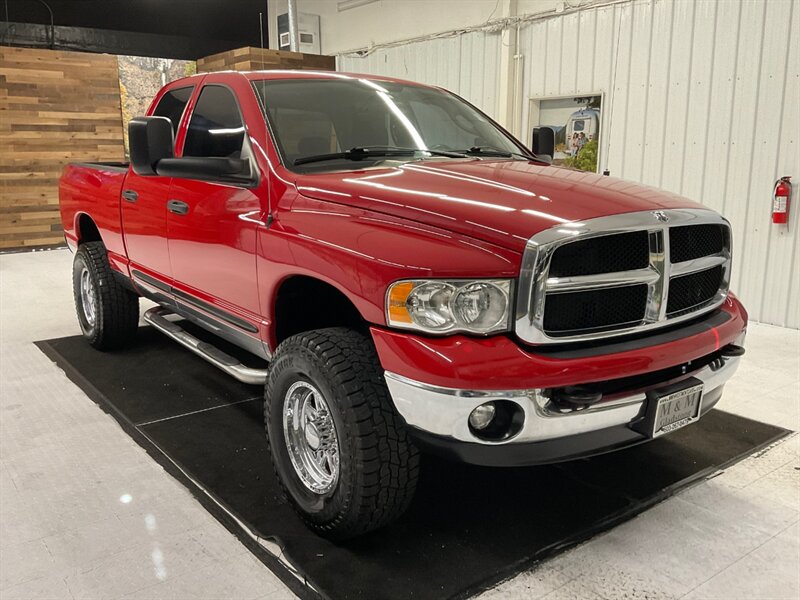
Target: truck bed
(94, 187)
(105, 166)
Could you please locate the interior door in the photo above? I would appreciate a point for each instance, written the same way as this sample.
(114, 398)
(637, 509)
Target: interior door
(212, 226)
(143, 207)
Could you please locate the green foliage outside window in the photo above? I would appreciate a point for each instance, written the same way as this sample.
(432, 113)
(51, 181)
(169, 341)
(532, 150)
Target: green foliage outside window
(586, 159)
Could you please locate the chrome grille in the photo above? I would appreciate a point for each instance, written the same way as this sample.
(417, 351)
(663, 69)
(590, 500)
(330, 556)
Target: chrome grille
(622, 274)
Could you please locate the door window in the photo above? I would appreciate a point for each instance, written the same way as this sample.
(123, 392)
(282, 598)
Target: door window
(216, 127)
(172, 105)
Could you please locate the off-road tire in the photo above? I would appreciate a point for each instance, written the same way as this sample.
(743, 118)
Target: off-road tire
(378, 463)
(116, 308)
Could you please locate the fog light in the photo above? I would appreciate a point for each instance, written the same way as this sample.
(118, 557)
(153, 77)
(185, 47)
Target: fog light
(482, 416)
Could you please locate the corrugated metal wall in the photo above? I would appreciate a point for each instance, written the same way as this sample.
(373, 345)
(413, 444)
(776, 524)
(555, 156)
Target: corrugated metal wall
(466, 64)
(701, 98)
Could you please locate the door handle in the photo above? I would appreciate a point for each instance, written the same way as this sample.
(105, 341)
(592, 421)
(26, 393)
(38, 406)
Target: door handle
(178, 207)
(130, 195)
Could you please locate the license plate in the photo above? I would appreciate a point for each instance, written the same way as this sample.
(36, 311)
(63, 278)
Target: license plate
(677, 409)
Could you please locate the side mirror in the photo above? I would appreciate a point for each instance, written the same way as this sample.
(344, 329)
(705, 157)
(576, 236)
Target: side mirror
(150, 139)
(206, 168)
(544, 143)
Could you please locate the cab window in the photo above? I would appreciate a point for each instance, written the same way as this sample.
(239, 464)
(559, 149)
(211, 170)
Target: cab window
(172, 105)
(216, 127)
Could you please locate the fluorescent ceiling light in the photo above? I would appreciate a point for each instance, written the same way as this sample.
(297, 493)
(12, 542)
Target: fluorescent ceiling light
(348, 4)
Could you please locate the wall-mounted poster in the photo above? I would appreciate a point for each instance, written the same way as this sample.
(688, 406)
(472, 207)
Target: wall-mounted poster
(140, 78)
(575, 122)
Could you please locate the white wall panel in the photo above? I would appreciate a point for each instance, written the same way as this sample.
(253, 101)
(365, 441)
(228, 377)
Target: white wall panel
(655, 125)
(772, 112)
(466, 64)
(783, 254)
(702, 98)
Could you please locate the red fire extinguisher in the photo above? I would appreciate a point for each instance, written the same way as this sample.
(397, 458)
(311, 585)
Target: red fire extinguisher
(780, 200)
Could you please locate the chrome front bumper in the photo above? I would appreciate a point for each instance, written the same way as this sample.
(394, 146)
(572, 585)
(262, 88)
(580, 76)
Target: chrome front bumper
(444, 412)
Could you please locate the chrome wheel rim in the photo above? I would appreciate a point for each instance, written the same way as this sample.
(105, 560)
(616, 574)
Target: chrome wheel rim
(310, 434)
(88, 297)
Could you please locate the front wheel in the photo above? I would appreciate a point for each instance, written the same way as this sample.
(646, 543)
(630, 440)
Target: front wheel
(107, 312)
(338, 447)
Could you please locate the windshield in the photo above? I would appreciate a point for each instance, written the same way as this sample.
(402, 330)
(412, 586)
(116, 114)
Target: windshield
(313, 118)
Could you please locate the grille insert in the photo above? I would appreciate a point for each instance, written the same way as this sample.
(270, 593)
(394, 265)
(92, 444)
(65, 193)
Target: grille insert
(604, 254)
(695, 241)
(594, 310)
(689, 292)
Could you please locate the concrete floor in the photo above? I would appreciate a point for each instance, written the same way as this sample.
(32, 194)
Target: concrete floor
(85, 513)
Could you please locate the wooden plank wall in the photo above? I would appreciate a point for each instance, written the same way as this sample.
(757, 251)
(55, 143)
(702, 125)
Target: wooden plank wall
(55, 107)
(259, 59)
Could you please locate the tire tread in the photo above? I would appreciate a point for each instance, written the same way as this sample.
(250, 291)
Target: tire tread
(118, 308)
(386, 460)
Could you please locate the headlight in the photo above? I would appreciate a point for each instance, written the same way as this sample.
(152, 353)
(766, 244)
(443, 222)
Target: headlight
(447, 306)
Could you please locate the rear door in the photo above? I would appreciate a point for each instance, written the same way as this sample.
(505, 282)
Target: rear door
(212, 226)
(144, 206)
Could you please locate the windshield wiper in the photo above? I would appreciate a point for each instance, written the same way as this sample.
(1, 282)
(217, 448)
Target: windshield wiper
(367, 152)
(492, 151)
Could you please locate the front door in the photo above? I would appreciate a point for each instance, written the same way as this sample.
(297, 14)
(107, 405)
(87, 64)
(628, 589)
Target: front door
(212, 226)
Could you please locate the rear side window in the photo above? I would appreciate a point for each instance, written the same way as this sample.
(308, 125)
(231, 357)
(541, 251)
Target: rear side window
(216, 127)
(172, 105)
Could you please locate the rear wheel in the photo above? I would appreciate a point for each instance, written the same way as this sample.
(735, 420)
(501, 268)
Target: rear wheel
(108, 313)
(338, 447)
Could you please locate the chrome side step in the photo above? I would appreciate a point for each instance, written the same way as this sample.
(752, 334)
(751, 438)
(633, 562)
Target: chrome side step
(231, 365)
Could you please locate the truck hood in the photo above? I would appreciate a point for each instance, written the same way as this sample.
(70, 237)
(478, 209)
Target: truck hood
(504, 202)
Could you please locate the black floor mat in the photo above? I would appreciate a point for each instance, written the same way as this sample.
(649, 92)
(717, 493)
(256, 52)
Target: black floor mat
(467, 528)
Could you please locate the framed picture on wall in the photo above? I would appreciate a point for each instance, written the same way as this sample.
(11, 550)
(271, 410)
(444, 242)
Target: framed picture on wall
(575, 122)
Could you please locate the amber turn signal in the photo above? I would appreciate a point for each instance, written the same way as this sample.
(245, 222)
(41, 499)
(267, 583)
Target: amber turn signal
(398, 294)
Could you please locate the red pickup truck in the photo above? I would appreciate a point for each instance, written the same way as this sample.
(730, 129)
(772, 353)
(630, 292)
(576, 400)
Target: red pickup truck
(417, 279)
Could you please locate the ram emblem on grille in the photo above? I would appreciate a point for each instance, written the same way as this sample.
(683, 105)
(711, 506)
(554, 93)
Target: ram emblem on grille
(661, 216)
